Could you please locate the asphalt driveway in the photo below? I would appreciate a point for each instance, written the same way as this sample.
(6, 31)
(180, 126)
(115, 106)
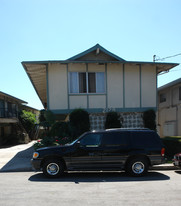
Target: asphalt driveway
(16, 158)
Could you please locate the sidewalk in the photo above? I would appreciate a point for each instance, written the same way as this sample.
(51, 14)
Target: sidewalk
(16, 158)
(166, 166)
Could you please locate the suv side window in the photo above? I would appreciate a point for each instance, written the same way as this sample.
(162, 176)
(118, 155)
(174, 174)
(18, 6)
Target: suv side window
(115, 138)
(91, 140)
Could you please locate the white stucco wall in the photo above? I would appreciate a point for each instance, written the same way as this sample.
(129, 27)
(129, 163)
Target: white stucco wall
(57, 86)
(123, 86)
(78, 101)
(96, 68)
(170, 111)
(115, 85)
(97, 101)
(77, 67)
(132, 86)
(148, 86)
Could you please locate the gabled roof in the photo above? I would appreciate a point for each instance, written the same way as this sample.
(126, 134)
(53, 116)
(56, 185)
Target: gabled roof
(97, 48)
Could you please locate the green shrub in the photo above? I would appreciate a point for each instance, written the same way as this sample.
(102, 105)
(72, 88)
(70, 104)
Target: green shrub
(149, 119)
(45, 142)
(28, 120)
(112, 120)
(172, 146)
(60, 134)
(46, 118)
(79, 121)
(60, 129)
(51, 141)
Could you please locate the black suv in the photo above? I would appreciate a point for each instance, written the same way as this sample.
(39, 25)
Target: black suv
(109, 150)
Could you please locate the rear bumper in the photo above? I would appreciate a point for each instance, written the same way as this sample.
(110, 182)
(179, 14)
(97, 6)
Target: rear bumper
(157, 160)
(177, 163)
(36, 164)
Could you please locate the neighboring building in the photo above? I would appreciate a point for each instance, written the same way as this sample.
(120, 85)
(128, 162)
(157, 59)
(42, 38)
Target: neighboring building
(9, 108)
(169, 109)
(97, 81)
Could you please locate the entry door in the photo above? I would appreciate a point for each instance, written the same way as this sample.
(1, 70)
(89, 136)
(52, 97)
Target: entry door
(88, 153)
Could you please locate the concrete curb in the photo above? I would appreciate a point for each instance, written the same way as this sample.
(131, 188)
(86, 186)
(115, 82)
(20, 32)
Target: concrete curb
(164, 167)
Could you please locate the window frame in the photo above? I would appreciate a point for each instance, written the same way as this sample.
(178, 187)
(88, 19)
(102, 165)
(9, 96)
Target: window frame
(163, 97)
(87, 89)
(91, 136)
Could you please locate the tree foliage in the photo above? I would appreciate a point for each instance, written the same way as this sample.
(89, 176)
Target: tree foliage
(112, 120)
(79, 121)
(149, 119)
(46, 118)
(28, 120)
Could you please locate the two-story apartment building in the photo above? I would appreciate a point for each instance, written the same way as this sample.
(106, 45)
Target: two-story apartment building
(169, 109)
(97, 81)
(9, 108)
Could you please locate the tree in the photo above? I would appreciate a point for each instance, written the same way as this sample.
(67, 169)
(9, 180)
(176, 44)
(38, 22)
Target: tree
(28, 120)
(46, 118)
(79, 121)
(112, 120)
(149, 119)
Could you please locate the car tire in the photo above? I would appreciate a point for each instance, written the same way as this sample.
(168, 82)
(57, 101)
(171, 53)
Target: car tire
(137, 167)
(53, 168)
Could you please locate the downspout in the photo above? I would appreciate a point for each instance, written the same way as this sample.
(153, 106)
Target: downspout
(176, 121)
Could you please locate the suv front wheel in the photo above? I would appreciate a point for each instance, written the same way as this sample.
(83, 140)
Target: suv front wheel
(53, 168)
(137, 167)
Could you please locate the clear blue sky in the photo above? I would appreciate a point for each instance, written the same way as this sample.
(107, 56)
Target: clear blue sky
(32, 30)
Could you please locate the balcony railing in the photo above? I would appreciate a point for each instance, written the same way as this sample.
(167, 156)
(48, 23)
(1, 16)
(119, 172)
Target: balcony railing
(5, 113)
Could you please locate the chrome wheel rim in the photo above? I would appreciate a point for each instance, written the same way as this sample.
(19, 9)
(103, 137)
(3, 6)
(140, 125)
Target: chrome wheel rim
(52, 169)
(138, 167)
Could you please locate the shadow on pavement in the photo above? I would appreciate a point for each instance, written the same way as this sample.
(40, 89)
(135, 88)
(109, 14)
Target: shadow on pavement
(20, 162)
(178, 172)
(79, 177)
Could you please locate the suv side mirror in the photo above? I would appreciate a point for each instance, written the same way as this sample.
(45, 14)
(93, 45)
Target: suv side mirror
(78, 143)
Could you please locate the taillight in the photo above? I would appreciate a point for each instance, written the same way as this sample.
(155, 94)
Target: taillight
(163, 152)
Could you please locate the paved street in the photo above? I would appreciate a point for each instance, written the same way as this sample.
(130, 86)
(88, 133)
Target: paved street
(29, 188)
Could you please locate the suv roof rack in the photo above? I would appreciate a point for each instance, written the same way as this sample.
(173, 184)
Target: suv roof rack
(116, 129)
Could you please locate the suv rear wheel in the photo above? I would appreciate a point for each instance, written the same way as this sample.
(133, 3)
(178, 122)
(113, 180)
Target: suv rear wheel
(137, 167)
(53, 168)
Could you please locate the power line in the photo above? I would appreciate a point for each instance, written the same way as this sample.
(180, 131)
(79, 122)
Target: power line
(162, 59)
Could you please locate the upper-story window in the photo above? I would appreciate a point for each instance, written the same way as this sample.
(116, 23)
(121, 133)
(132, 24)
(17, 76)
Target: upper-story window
(1, 108)
(86, 82)
(163, 97)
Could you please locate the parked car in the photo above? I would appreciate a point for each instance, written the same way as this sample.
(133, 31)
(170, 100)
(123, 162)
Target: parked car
(114, 149)
(177, 160)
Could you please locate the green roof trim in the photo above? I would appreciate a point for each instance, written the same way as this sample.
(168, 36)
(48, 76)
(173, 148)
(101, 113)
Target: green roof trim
(97, 46)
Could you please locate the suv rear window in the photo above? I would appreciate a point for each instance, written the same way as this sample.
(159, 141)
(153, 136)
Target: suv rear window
(145, 139)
